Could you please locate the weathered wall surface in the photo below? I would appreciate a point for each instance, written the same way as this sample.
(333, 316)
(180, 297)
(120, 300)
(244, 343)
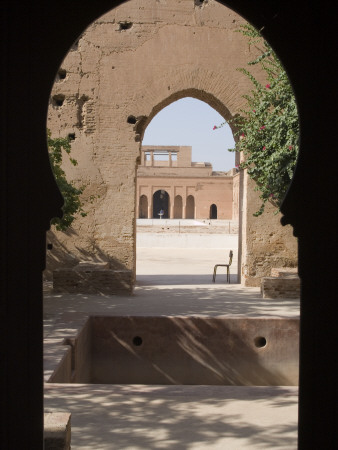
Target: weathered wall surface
(235, 197)
(134, 61)
(265, 243)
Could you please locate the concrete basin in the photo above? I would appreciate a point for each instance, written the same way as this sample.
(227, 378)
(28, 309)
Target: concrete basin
(182, 350)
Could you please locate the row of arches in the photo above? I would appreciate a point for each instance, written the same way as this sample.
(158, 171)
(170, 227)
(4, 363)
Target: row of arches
(160, 206)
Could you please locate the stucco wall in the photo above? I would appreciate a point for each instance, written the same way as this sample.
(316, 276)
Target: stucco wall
(235, 197)
(131, 63)
(265, 243)
(205, 191)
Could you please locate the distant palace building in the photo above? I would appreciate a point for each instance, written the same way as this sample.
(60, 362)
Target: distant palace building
(168, 182)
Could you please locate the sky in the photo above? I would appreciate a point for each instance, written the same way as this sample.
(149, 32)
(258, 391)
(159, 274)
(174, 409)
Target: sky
(190, 122)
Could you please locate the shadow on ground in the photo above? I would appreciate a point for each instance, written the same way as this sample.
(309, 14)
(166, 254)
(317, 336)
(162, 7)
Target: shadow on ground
(176, 280)
(172, 300)
(131, 417)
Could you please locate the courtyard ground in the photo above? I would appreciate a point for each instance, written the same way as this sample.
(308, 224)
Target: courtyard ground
(171, 281)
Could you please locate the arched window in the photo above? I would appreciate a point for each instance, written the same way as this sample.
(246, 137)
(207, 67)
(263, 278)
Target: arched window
(143, 207)
(178, 204)
(161, 204)
(213, 211)
(190, 211)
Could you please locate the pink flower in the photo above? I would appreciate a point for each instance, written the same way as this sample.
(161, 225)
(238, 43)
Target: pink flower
(254, 110)
(268, 86)
(214, 127)
(290, 147)
(243, 135)
(262, 128)
(271, 195)
(264, 148)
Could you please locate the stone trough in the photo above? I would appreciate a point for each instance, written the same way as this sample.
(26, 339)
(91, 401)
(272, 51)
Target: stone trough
(182, 350)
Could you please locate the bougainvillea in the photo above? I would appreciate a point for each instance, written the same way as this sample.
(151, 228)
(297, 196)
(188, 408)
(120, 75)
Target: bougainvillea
(268, 128)
(71, 194)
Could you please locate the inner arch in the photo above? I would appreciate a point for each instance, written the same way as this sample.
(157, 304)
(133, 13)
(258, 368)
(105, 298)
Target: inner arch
(190, 121)
(198, 94)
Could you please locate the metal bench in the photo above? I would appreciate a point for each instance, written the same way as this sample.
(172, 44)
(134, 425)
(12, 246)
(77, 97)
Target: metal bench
(224, 265)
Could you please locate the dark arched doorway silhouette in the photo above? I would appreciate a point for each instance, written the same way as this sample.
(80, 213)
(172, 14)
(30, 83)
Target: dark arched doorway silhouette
(161, 203)
(213, 211)
(143, 207)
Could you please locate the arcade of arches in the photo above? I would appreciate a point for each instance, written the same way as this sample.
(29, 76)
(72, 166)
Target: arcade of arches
(164, 208)
(183, 189)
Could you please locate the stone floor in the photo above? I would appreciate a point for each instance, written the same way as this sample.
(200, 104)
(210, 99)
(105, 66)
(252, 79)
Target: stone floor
(171, 281)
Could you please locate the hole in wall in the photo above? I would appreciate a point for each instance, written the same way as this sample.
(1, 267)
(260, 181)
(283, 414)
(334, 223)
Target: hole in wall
(80, 110)
(58, 100)
(71, 136)
(125, 25)
(62, 74)
(260, 341)
(137, 341)
(131, 119)
(200, 2)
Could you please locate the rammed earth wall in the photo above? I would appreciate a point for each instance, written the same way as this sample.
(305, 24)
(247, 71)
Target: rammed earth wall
(126, 67)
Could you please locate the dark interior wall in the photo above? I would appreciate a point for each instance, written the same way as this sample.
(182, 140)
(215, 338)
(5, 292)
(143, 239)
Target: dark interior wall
(161, 203)
(35, 36)
(213, 211)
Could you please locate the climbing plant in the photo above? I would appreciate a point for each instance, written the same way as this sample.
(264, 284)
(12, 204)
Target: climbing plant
(57, 148)
(268, 127)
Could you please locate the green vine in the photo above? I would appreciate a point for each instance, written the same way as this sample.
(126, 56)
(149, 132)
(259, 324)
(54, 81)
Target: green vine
(71, 194)
(268, 127)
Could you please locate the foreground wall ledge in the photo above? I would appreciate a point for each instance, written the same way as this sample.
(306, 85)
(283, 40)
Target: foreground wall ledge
(57, 431)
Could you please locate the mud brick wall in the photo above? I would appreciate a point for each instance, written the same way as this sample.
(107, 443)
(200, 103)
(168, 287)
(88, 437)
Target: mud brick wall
(284, 271)
(281, 287)
(264, 242)
(92, 281)
(126, 67)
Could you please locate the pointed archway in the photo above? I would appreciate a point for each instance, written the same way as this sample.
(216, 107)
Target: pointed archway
(161, 203)
(143, 207)
(213, 211)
